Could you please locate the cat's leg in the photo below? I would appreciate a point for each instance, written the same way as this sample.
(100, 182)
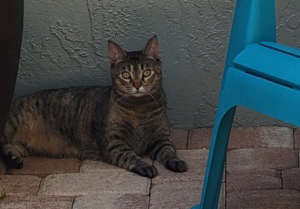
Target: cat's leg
(123, 156)
(164, 152)
(12, 154)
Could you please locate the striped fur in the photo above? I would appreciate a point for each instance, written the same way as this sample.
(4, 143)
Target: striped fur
(115, 124)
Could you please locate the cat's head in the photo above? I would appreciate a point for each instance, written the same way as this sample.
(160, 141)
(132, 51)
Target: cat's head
(136, 73)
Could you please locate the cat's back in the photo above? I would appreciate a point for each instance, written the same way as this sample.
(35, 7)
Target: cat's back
(70, 102)
(65, 95)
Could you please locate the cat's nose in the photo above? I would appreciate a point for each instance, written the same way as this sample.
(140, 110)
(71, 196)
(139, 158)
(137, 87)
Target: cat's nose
(137, 84)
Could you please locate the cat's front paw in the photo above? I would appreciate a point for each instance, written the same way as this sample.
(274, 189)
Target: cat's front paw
(14, 161)
(146, 170)
(176, 165)
(17, 163)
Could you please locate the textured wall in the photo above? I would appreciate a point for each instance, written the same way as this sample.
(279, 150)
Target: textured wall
(65, 44)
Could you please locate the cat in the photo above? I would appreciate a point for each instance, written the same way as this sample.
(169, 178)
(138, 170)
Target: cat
(116, 124)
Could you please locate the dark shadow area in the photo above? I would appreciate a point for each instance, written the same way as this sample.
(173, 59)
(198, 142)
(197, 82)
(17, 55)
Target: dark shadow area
(11, 31)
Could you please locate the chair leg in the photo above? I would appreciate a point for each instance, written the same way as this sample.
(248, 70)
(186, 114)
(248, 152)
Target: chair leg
(216, 160)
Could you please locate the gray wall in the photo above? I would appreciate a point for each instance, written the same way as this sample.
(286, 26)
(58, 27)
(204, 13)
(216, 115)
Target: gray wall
(65, 44)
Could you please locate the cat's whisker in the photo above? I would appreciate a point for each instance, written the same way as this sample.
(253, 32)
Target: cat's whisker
(122, 99)
(152, 97)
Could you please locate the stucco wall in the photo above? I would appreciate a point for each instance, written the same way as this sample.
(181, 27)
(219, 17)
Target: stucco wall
(65, 44)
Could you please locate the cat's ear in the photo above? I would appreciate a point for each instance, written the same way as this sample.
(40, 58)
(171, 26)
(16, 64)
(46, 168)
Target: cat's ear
(151, 49)
(116, 53)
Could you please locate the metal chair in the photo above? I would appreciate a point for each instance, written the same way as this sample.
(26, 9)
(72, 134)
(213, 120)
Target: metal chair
(259, 74)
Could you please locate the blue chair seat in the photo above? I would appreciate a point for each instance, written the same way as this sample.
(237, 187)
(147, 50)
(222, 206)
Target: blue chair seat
(275, 62)
(280, 47)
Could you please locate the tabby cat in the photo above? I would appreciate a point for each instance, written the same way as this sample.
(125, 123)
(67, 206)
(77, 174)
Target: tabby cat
(116, 124)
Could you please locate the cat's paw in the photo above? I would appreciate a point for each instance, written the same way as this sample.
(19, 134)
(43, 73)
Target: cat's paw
(176, 165)
(14, 161)
(147, 170)
(17, 163)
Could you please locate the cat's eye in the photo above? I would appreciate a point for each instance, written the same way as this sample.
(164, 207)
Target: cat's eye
(126, 75)
(147, 73)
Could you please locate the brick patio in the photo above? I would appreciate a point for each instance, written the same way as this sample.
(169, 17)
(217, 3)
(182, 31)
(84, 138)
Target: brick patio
(262, 171)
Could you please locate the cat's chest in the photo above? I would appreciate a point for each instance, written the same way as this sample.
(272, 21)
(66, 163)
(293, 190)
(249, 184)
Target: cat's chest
(137, 121)
(141, 124)
(140, 120)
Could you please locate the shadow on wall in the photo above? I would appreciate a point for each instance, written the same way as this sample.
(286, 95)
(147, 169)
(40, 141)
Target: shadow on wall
(11, 30)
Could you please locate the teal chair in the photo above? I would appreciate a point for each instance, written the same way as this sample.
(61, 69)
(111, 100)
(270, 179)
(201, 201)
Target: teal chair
(259, 74)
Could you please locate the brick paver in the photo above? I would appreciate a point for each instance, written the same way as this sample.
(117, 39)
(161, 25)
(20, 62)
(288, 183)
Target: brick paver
(19, 184)
(275, 158)
(42, 166)
(246, 137)
(253, 179)
(261, 137)
(169, 195)
(180, 138)
(199, 138)
(182, 194)
(264, 199)
(291, 179)
(124, 201)
(105, 182)
(91, 166)
(35, 202)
